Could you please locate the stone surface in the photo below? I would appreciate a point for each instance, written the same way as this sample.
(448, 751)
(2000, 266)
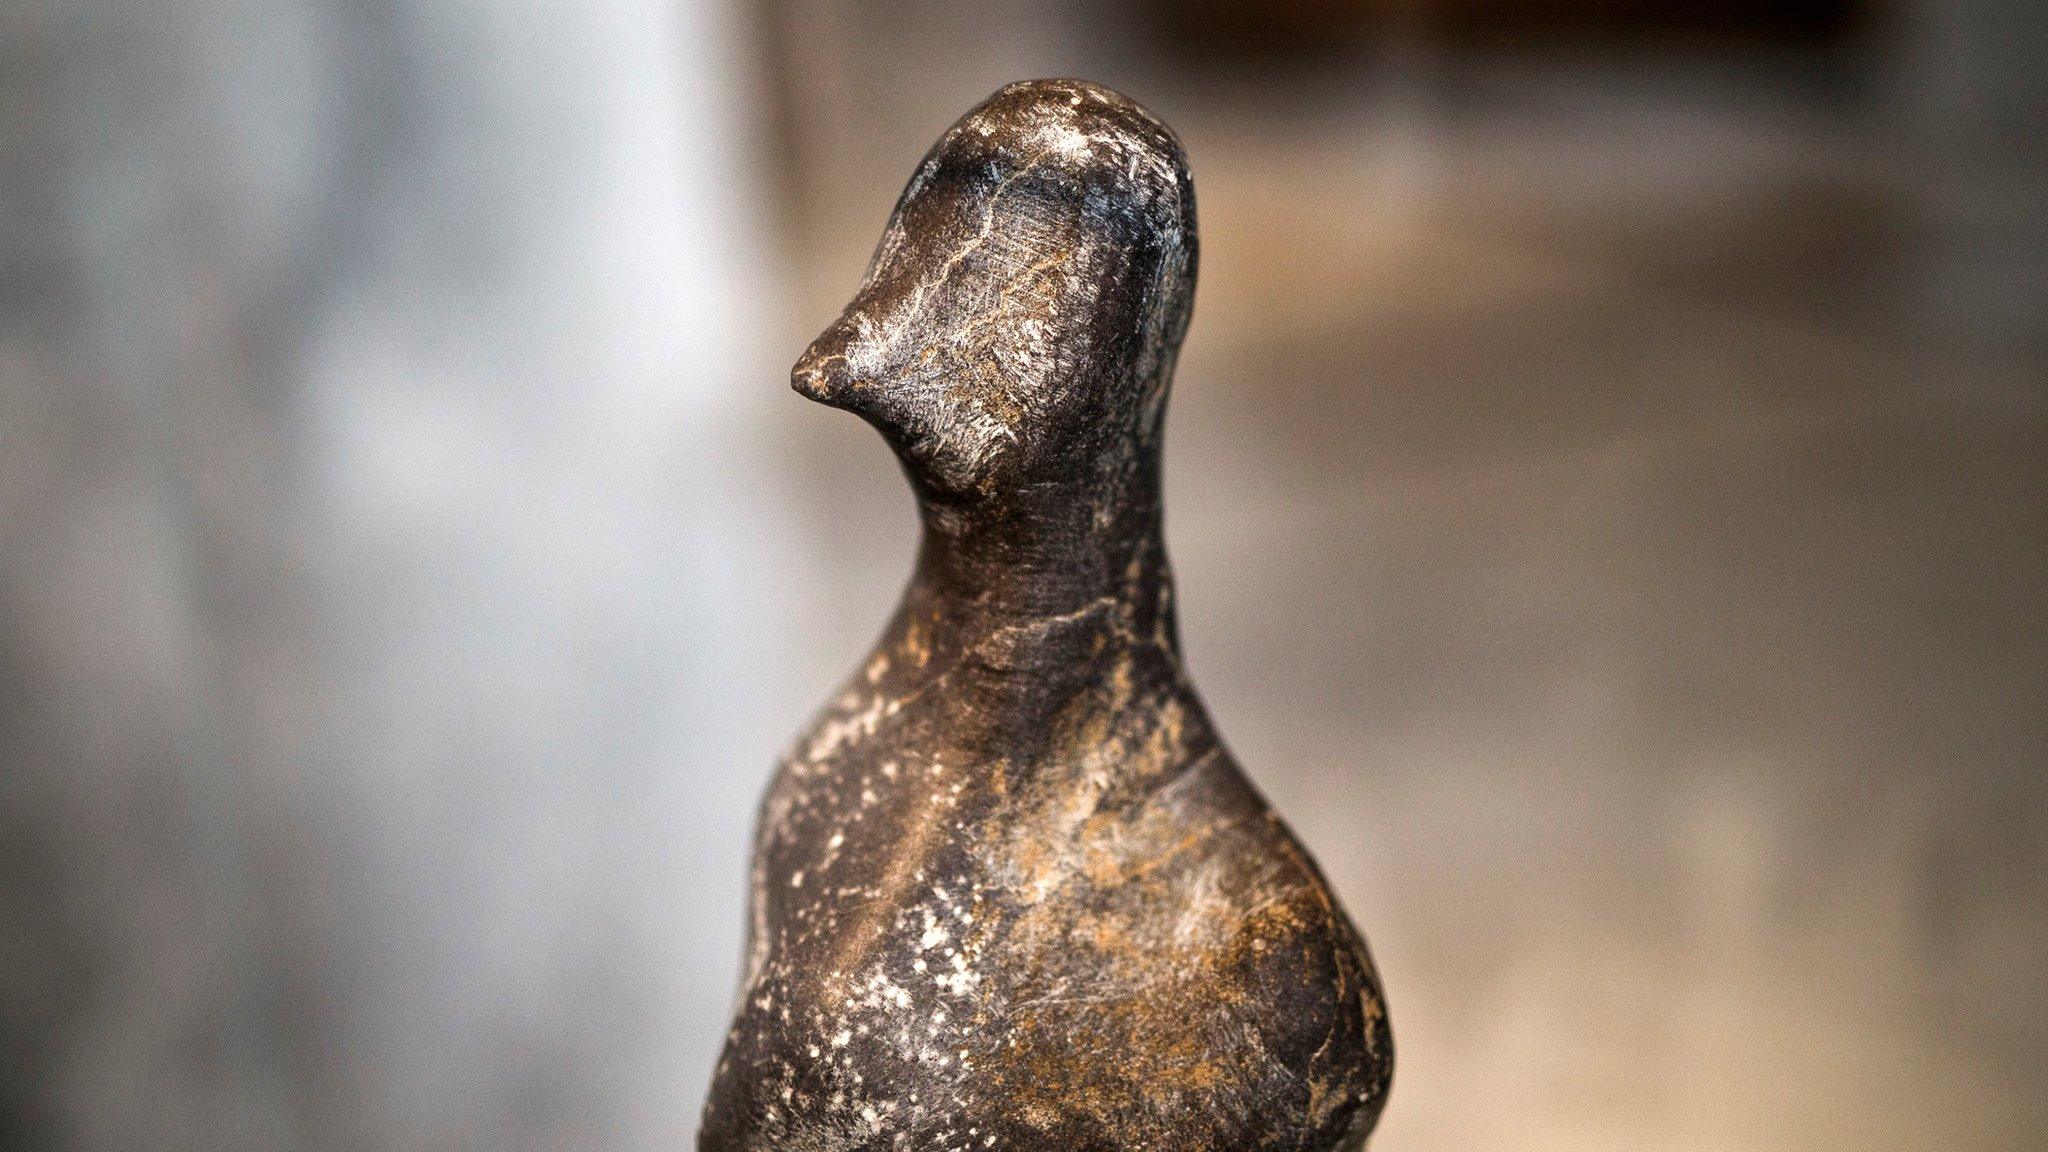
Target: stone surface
(1010, 890)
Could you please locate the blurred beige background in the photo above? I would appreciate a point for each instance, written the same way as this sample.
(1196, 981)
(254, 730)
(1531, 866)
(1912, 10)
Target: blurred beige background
(1606, 478)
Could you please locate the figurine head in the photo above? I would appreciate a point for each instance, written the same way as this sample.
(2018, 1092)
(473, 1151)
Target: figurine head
(1018, 324)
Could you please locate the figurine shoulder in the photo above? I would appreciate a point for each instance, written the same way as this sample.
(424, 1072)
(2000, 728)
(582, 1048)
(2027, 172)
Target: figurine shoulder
(1182, 964)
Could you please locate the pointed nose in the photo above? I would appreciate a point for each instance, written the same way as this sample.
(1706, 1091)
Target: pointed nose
(821, 373)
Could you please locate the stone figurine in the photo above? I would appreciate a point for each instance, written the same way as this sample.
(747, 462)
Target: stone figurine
(1010, 890)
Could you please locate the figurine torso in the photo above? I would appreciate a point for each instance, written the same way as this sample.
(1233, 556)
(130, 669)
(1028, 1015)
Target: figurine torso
(1100, 938)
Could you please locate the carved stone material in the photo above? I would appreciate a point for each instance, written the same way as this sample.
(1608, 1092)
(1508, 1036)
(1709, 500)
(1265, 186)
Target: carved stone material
(1010, 891)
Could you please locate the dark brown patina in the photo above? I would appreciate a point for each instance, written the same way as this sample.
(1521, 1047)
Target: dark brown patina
(1010, 891)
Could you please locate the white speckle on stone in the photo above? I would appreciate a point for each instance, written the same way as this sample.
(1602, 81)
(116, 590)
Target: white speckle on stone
(848, 731)
(1065, 139)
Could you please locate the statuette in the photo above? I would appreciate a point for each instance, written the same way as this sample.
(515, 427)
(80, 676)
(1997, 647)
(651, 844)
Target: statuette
(1010, 890)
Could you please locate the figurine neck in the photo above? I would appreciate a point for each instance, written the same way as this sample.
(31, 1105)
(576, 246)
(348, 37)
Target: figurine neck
(1052, 563)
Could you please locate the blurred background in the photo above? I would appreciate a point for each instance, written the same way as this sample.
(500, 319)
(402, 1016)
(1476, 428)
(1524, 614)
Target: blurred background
(1608, 478)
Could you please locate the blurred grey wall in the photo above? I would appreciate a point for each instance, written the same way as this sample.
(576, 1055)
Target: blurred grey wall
(1606, 481)
(392, 576)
